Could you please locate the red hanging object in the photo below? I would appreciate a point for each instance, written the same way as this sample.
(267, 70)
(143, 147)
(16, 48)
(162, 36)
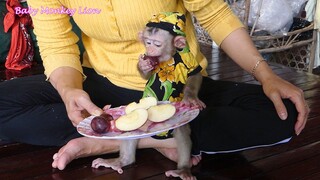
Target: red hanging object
(21, 51)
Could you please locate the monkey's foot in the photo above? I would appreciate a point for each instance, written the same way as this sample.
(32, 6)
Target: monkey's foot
(114, 163)
(184, 174)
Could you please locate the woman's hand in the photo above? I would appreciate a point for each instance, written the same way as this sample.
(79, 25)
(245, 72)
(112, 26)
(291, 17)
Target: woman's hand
(277, 89)
(68, 82)
(79, 105)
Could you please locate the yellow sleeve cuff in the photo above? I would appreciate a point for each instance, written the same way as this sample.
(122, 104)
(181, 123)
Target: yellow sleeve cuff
(61, 60)
(215, 17)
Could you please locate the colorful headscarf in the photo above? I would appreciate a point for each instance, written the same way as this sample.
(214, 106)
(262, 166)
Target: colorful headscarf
(173, 22)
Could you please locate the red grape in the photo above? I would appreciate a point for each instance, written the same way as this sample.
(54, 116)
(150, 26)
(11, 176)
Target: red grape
(101, 124)
(154, 60)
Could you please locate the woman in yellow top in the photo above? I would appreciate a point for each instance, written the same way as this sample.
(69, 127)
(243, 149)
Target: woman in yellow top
(238, 116)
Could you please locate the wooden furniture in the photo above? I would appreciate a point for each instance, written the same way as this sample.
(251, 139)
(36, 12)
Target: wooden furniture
(294, 49)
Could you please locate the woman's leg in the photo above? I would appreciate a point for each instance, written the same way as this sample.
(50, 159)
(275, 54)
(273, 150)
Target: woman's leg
(238, 116)
(31, 111)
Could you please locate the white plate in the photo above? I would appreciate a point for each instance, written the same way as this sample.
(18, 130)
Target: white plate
(183, 115)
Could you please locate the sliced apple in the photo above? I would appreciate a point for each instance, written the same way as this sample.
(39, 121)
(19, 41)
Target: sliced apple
(133, 120)
(144, 103)
(132, 106)
(148, 101)
(161, 112)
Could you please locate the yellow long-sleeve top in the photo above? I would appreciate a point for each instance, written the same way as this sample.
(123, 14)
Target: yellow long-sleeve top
(110, 32)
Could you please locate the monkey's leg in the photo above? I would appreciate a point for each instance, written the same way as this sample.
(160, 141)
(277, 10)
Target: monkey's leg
(127, 157)
(128, 151)
(182, 137)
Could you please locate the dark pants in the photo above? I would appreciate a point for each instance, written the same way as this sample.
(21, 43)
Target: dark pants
(237, 115)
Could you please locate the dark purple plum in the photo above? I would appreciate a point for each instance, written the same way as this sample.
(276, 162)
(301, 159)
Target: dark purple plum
(100, 124)
(107, 116)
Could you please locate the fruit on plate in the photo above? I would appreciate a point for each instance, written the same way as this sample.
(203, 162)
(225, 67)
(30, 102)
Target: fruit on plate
(107, 116)
(133, 120)
(144, 103)
(161, 112)
(101, 124)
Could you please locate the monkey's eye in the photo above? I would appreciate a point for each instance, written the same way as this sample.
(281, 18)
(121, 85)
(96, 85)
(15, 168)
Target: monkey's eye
(148, 42)
(157, 43)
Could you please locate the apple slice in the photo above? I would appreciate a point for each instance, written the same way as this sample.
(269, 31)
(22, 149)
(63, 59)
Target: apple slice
(144, 103)
(133, 120)
(161, 112)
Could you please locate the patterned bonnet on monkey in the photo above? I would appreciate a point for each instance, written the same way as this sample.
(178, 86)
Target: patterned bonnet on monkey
(173, 22)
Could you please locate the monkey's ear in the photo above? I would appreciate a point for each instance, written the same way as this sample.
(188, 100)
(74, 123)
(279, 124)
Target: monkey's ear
(140, 36)
(179, 42)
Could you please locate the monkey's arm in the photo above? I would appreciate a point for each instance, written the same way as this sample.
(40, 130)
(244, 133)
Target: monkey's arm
(193, 84)
(145, 75)
(191, 90)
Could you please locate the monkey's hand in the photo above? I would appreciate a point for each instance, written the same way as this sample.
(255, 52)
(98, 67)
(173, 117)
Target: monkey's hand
(190, 99)
(144, 65)
(184, 174)
(114, 163)
(190, 92)
(193, 102)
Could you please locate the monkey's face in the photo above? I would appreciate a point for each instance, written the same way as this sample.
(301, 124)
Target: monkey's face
(159, 44)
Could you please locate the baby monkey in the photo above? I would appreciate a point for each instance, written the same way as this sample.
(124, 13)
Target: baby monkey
(173, 74)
